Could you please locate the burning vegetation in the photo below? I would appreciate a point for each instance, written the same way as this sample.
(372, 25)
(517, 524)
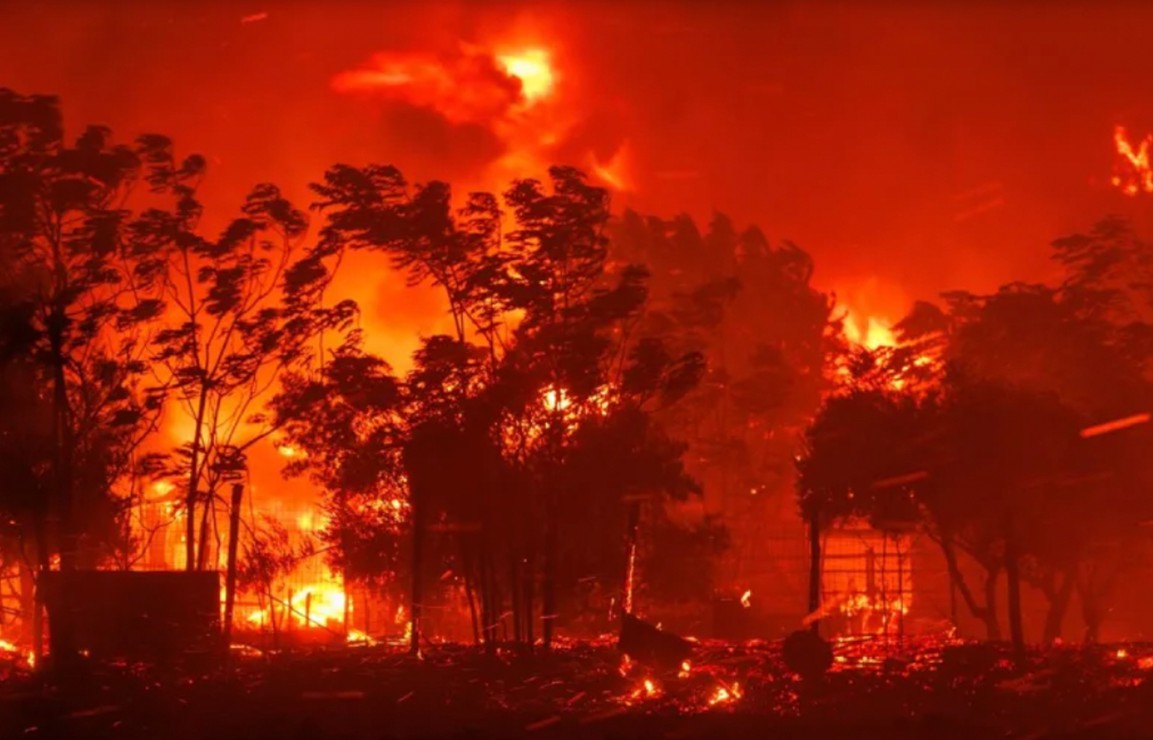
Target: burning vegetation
(642, 467)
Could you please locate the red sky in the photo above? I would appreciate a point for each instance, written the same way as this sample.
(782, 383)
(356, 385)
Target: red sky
(862, 131)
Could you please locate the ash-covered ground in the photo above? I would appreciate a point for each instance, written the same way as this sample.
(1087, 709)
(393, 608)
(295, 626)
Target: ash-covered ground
(916, 688)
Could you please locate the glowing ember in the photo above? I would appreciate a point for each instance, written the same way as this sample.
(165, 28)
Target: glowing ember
(724, 694)
(1132, 174)
(686, 666)
(746, 598)
(647, 690)
(356, 637)
(1122, 653)
(1113, 426)
(556, 399)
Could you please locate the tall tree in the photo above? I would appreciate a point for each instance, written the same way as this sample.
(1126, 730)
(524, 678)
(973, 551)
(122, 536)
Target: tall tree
(245, 308)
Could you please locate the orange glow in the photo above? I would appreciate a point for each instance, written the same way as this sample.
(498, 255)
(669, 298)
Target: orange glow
(646, 690)
(869, 332)
(1113, 426)
(746, 598)
(315, 605)
(686, 667)
(1132, 173)
(533, 69)
(724, 694)
(614, 172)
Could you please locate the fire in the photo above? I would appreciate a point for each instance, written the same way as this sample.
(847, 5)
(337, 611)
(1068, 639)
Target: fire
(357, 637)
(556, 399)
(1132, 173)
(686, 667)
(870, 332)
(647, 690)
(533, 69)
(724, 694)
(746, 598)
(315, 605)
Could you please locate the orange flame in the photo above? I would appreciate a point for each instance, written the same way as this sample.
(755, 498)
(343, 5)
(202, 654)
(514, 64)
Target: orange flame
(1132, 174)
(533, 69)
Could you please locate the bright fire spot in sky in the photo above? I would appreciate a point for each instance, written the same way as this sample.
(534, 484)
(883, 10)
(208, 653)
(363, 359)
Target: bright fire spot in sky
(534, 70)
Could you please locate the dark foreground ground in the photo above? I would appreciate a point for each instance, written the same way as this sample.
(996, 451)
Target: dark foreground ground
(922, 689)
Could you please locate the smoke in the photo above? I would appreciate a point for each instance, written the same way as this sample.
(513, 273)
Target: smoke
(910, 147)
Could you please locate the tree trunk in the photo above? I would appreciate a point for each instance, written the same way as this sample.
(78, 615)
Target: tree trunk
(230, 577)
(1090, 612)
(517, 599)
(1013, 579)
(815, 568)
(194, 481)
(989, 614)
(548, 587)
(202, 553)
(631, 538)
(1058, 607)
(529, 581)
(466, 565)
(416, 606)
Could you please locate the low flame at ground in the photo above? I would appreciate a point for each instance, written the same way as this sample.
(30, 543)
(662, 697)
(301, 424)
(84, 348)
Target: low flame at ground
(725, 694)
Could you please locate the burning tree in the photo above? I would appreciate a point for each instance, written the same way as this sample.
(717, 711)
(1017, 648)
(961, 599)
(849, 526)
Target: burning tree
(87, 293)
(493, 431)
(770, 340)
(245, 308)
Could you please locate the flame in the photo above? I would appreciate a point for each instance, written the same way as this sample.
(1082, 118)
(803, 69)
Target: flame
(746, 598)
(869, 332)
(646, 690)
(357, 637)
(556, 399)
(1122, 653)
(515, 91)
(1132, 173)
(723, 694)
(686, 667)
(315, 605)
(614, 172)
(532, 67)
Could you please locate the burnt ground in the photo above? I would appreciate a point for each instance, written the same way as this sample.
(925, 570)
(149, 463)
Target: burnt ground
(930, 689)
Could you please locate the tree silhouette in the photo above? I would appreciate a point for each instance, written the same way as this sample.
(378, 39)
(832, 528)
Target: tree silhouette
(91, 288)
(246, 307)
